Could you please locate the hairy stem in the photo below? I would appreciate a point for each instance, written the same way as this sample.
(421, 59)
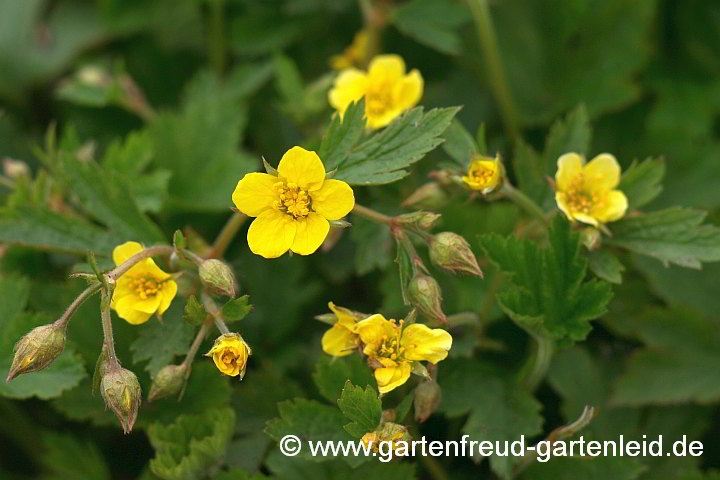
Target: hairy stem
(202, 333)
(371, 214)
(87, 293)
(212, 308)
(226, 235)
(118, 271)
(539, 362)
(108, 333)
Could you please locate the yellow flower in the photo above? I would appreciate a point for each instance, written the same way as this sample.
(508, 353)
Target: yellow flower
(293, 208)
(355, 54)
(586, 192)
(484, 173)
(395, 347)
(230, 354)
(341, 339)
(143, 290)
(388, 91)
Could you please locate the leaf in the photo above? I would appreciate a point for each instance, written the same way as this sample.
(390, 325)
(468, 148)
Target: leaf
(363, 407)
(606, 265)
(191, 446)
(601, 468)
(67, 456)
(194, 312)
(331, 374)
(373, 245)
(65, 373)
(237, 309)
(459, 144)
(433, 23)
(642, 181)
(674, 235)
(403, 408)
(548, 294)
(677, 364)
(385, 156)
(342, 134)
(159, 342)
(239, 474)
(570, 134)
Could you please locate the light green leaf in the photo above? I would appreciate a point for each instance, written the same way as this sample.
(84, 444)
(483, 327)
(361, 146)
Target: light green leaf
(237, 309)
(331, 374)
(433, 23)
(66, 456)
(642, 181)
(363, 407)
(159, 343)
(606, 265)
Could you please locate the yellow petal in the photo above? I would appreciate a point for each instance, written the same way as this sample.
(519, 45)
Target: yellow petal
(302, 167)
(616, 204)
(338, 341)
(372, 330)
(569, 165)
(424, 343)
(148, 305)
(271, 234)
(350, 86)
(255, 193)
(383, 119)
(585, 218)
(167, 293)
(125, 308)
(310, 234)
(122, 252)
(386, 68)
(389, 378)
(344, 316)
(408, 91)
(333, 200)
(602, 172)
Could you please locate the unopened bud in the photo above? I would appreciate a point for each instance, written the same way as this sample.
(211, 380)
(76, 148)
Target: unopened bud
(452, 252)
(427, 399)
(422, 220)
(425, 294)
(168, 382)
(218, 277)
(591, 238)
(37, 349)
(430, 196)
(122, 394)
(484, 173)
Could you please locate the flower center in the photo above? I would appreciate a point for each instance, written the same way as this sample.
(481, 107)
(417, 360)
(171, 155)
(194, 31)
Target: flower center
(292, 199)
(391, 346)
(145, 286)
(480, 174)
(228, 358)
(378, 100)
(580, 198)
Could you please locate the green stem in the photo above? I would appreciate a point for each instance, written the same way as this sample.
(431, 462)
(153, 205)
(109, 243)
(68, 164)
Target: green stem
(87, 293)
(196, 343)
(226, 235)
(538, 363)
(217, 53)
(108, 333)
(371, 214)
(498, 81)
(212, 308)
(524, 202)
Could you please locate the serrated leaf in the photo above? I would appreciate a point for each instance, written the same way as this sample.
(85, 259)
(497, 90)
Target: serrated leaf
(331, 374)
(385, 156)
(158, 343)
(606, 266)
(191, 446)
(549, 294)
(67, 456)
(674, 235)
(237, 309)
(342, 134)
(362, 406)
(642, 181)
(433, 23)
(194, 312)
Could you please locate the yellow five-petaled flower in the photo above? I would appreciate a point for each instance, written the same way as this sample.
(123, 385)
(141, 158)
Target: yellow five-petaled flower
(143, 290)
(394, 347)
(586, 192)
(230, 354)
(293, 208)
(484, 173)
(388, 91)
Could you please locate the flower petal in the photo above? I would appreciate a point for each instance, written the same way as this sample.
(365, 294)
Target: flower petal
(167, 293)
(255, 193)
(122, 252)
(148, 305)
(408, 91)
(125, 308)
(569, 165)
(334, 200)
(616, 204)
(271, 234)
(389, 378)
(310, 234)
(384, 68)
(338, 341)
(424, 343)
(372, 330)
(349, 86)
(302, 167)
(602, 172)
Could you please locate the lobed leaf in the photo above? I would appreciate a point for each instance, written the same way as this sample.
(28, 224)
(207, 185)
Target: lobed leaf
(362, 406)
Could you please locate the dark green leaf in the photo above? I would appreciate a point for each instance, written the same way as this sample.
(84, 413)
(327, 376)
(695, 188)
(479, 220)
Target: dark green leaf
(373, 245)
(66, 456)
(331, 374)
(159, 343)
(342, 135)
(362, 406)
(606, 265)
(433, 23)
(641, 183)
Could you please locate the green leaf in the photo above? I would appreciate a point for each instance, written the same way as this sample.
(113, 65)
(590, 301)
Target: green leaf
(642, 181)
(159, 342)
(342, 134)
(237, 309)
(548, 294)
(331, 374)
(195, 313)
(674, 235)
(385, 156)
(65, 373)
(67, 456)
(459, 144)
(433, 23)
(363, 407)
(373, 245)
(606, 266)
(239, 474)
(191, 446)
(570, 134)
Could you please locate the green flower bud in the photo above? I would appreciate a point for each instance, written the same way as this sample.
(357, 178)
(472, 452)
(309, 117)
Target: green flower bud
(122, 394)
(218, 277)
(168, 382)
(452, 252)
(422, 220)
(430, 196)
(425, 294)
(427, 399)
(37, 349)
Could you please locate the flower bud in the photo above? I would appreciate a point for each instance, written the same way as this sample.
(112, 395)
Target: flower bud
(430, 196)
(427, 399)
(425, 294)
(168, 382)
(230, 354)
(37, 349)
(452, 252)
(217, 277)
(591, 238)
(484, 173)
(422, 220)
(121, 391)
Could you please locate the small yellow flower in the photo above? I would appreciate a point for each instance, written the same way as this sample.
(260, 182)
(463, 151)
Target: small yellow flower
(354, 55)
(293, 208)
(586, 192)
(230, 354)
(484, 173)
(388, 91)
(395, 347)
(143, 290)
(341, 339)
